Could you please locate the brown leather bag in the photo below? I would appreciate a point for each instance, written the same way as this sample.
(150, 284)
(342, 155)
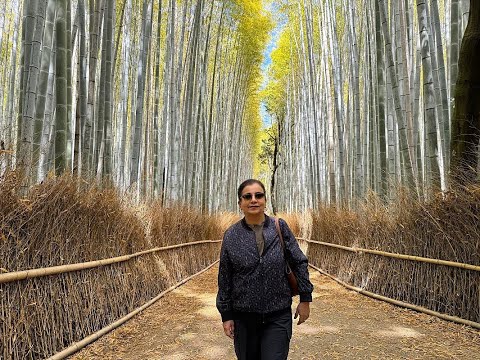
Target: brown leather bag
(292, 280)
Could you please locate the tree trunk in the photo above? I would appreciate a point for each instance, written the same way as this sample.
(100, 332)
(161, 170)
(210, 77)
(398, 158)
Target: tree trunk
(429, 101)
(142, 71)
(61, 112)
(466, 119)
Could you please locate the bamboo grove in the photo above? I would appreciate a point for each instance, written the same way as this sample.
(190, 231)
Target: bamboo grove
(162, 97)
(362, 94)
(153, 96)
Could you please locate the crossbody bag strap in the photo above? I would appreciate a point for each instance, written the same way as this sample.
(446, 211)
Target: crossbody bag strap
(282, 242)
(279, 231)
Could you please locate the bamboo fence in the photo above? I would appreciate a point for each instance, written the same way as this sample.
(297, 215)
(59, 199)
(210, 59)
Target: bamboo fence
(421, 309)
(404, 304)
(61, 269)
(396, 256)
(95, 336)
(62, 256)
(37, 302)
(41, 272)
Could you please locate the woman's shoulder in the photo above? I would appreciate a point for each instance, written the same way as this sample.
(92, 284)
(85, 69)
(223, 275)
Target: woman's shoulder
(233, 229)
(283, 225)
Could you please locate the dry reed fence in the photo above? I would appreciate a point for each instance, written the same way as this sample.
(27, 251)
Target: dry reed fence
(56, 224)
(446, 228)
(299, 223)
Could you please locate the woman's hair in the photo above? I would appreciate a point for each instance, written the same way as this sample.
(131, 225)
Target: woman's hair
(247, 183)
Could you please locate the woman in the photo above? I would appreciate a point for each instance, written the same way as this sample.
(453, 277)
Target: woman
(254, 297)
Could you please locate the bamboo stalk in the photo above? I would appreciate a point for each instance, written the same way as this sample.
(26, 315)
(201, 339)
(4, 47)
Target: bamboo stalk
(401, 303)
(61, 269)
(95, 336)
(329, 244)
(397, 256)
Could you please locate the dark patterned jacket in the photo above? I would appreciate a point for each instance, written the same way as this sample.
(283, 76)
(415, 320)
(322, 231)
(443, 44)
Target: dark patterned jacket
(248, 282)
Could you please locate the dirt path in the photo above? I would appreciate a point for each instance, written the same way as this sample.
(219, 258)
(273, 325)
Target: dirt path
(343, 325)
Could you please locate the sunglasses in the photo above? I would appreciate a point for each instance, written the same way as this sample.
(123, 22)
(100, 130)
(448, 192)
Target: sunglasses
(249, 196)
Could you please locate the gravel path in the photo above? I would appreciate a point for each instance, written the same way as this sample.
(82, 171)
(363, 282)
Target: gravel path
(343, 325)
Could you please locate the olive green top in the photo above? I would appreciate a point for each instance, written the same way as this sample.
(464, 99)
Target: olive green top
(258, 230)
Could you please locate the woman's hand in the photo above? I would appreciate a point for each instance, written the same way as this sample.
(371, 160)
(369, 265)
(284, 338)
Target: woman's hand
(303, 312)
(228, 327)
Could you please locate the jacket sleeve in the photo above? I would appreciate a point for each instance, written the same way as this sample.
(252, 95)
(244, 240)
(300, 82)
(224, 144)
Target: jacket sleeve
(298, 262)
(224, 299)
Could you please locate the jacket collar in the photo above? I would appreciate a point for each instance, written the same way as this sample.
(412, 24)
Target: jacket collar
(266, 224)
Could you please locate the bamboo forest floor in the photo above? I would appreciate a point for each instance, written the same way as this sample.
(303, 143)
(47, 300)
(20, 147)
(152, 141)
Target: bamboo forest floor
(343, 325)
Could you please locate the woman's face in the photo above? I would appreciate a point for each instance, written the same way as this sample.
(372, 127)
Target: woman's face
(254, 206)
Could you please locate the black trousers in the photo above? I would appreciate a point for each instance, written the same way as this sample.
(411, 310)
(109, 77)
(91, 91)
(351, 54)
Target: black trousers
(263, 337)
